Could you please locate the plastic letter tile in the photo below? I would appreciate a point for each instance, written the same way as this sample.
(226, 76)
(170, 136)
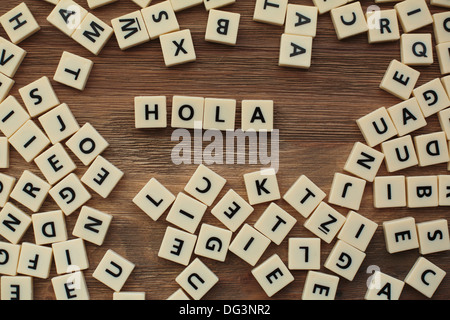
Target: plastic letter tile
(416, 49)
(444, 121)
(301, 20)
(213, 242)
(271, 12)
(67, 16)
(12, 57)
(433, 236)
(275, 223)
(94, 4)
(177, 246)
(70, 194)
(262, 186)
(93, 33)
(9, 255)
(304, 196)
(186, 212)
(150, 111)
(14, 223)
(187, 112)
(347, 191)
(407, 116)
(399, 79)
(425, 277)
(384, 287)
(154, 199)
(142, 3)
(440, 3)
(214, 4)
(35, 260)
(272, 275)
(70, 286)
(344, 260)
(55, 163)
(19, 23)
(364, 161)
(383, 26)
(257, 115)
(376, 127)
(320, 286)
(325, 222)
(422, 191)
(432, 97)
(232, 210)
(73, 70)
(443, 54)
(130, 30)
(249, 244)
(4, 153)
(177, 47)
(179, 5)
(39, 96)
(29, 141)
(113, 270)
(413, 14)
(440, 27)
(160, 19)
(325, 6)
(16, 288)
(389, 192)
(92, 225)
(6, 85)
(128, 295)
(304, 253)
(222, 27)
(7, 183)
(205, 185)
(444, 190)
(432, 148)
(357, 230)
(197, 279)
(87, 143)
(179, 294)
(400, 235)
(399, 153)
(59, 123)
(349, 20)
(219, 114)
(295, 51)
(49, 227)
(70, 256)
(102, 176)
(30, 190)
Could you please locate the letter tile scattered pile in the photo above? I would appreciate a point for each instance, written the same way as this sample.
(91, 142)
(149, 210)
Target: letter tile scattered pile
(44, 130)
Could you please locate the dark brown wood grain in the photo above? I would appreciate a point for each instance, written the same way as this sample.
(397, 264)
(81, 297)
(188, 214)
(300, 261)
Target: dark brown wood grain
(315, 110)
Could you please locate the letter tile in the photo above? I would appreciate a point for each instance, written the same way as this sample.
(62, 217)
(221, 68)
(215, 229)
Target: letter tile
(422, 191)
(113, 270)
(275, 223)
(214, 4)
(160, 19)
(441, 27)
(301, 20)
(14, 223)
(295, 51)
(320, 286)
(94, 4)
(443, 54)
(87, 143)
(304, 253)
(73, 70)
(35, 260)
(11, 57)
(413, 14)
(232, 210)
(272, 275)
(197, 279)
(39, 96)
(440, 3)
(431, 97)
(325, 6)
(150, 111)
(59, 123)
(304, 196)
(9, 258)
(432, 148)
(142, 3)
(257, 115)
(347, 191)
(93, 34)
(416, 49)
(49, 227)
(177, 47)
(325, 222)
(219, 114)
(16, 288)
(29, 141)
(186, 212)
(102, 176)
(376, 127)
(7, 183)
(179, 5)
(19, 23)
(187, 112)
(154, 199)
(364, 161)
(205, 185)
(444, 121)
(399, 79)
(344, 260)
(249, 244)
(262, 186)
(55, 163)
(222, 27)
(213, 242)
(6, 85)
(400, 235)
(443, 189)
(357, 230)
(349, 20)
(177, 246)
(12, 116)
(389, 192)
(70, 194)
(4, 153)
(30, 191)
(433, 236)
(67, 16)
(70, 286)
(70, 256)
(384, 287)
(425, 277)
(407, 116)
(399, 153)
(383, 26)
(179, 294)
(270, 11)
(92, 225)
(130, 30)
(127, 295)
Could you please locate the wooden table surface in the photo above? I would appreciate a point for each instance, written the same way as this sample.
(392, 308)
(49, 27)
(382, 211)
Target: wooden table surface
(315, 110)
